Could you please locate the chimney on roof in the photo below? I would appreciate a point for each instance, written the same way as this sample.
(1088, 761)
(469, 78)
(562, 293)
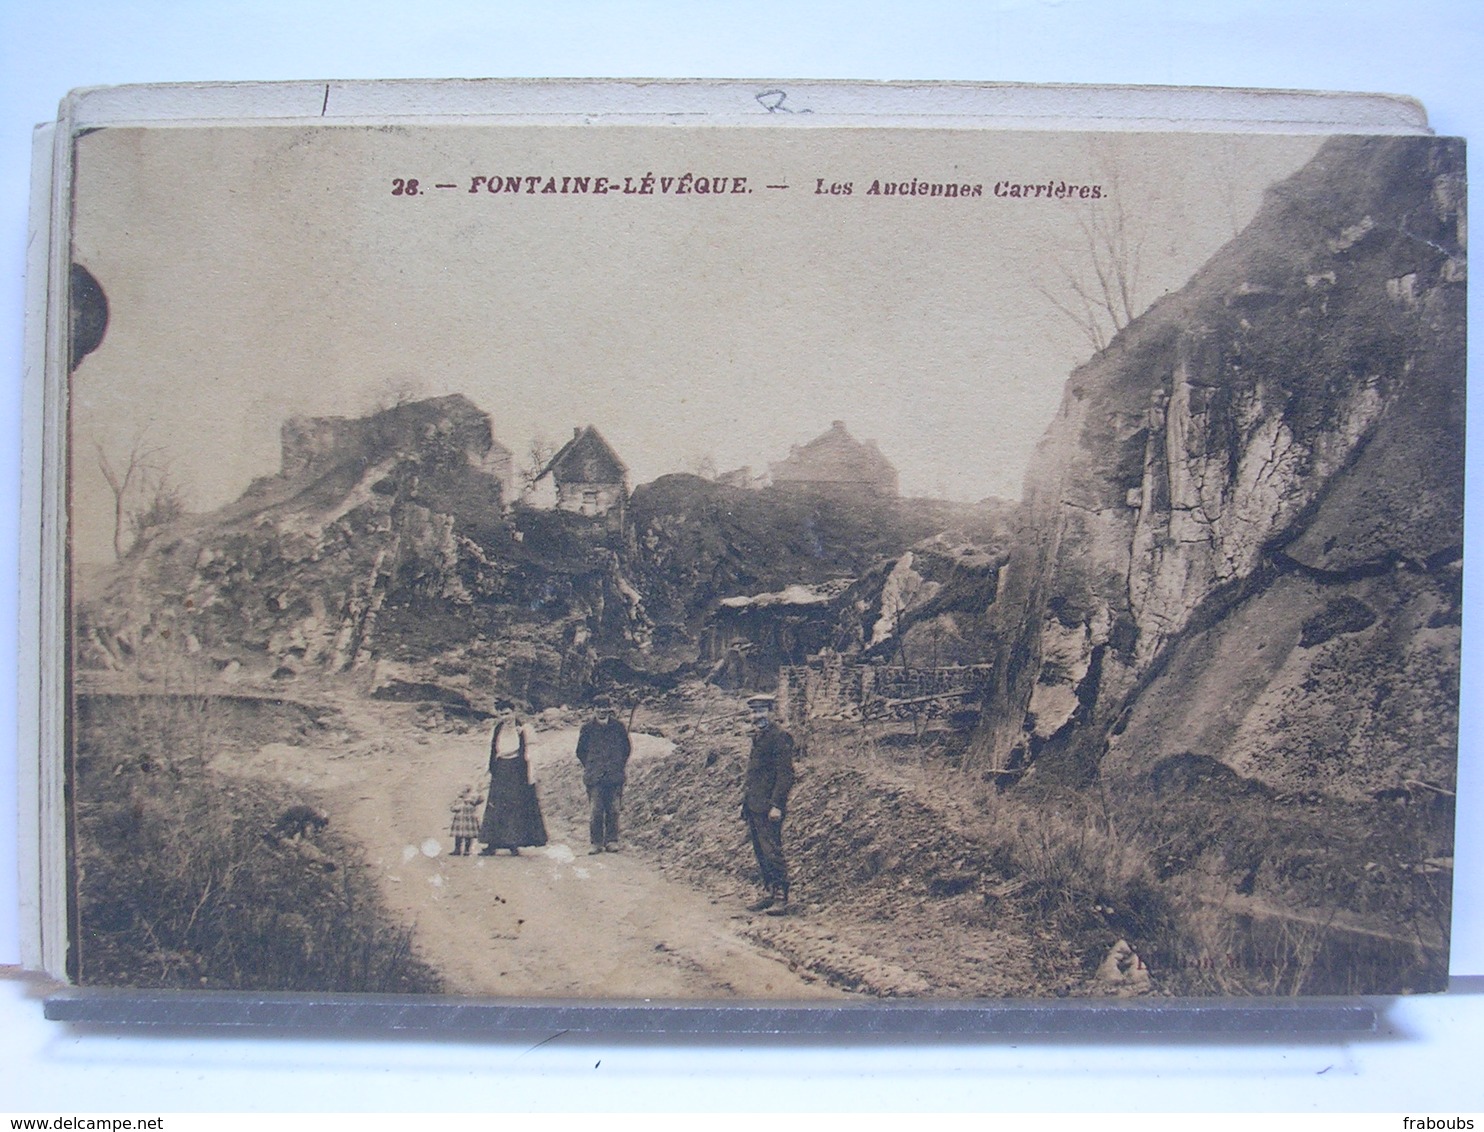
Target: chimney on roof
(576, 433)
(838, 426)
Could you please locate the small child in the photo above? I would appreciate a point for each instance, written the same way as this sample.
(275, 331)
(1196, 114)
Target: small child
(465, 826)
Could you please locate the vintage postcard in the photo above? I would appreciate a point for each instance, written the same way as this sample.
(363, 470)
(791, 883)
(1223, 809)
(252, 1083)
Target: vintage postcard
(723, 562)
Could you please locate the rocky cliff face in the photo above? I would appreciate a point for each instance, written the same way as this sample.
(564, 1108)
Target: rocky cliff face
(908, 580)
(1242, 535)
(696, 542)
(382, 548)
(1234, 599)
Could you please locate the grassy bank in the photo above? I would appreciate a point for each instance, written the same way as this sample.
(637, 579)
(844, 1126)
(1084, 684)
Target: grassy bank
(189, 879)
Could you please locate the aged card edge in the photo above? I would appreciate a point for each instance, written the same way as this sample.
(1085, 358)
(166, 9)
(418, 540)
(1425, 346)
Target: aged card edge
(44, 650)
(32, 824)
(1097, 1018)
(787, 103)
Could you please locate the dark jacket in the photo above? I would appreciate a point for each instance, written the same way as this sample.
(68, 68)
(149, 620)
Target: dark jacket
(603, 750)
(770, 771)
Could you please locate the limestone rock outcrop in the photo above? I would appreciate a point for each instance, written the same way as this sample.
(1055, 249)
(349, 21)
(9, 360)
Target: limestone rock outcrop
(382, 549)
(1242, 534)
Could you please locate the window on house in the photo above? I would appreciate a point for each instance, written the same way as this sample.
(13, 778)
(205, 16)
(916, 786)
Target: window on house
(589, 502)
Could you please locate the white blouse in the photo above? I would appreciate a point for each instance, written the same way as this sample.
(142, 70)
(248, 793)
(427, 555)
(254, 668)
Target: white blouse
(507, 745)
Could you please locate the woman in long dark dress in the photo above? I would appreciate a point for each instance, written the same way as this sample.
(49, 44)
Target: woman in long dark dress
(512, 814)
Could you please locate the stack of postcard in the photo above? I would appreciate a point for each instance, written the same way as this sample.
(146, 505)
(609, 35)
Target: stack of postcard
(733, 543)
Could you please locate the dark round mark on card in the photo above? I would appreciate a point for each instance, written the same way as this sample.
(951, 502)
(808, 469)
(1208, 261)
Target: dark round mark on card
(89, 307)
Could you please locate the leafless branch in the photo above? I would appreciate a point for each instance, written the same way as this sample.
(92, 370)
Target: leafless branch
(1099, 290)
(538, 454)
(124, 478)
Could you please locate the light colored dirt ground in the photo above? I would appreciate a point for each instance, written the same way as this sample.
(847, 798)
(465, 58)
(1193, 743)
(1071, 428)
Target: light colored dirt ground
(553, 922)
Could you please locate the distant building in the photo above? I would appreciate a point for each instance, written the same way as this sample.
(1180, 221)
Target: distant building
(585, 477)
(837, 463)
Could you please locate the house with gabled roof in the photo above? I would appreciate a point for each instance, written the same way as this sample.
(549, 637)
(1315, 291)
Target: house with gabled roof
(585, 477)
(836, 463)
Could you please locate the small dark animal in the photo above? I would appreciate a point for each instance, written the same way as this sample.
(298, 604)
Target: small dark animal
(299, 821)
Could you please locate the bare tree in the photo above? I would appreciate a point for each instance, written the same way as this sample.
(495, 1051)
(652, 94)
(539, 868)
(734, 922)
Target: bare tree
(146, 495)
(1099, 291)
(124, 477)
(538, 454)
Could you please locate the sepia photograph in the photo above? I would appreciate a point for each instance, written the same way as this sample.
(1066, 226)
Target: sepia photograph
(731, 564)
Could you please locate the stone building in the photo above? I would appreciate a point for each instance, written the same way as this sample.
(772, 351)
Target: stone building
(585, 477)
(838, 464)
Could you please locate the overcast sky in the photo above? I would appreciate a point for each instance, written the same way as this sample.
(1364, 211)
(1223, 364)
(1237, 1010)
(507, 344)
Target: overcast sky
(259, 273)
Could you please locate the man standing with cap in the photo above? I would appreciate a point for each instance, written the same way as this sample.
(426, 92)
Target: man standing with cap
(603, 750)
(765, 789)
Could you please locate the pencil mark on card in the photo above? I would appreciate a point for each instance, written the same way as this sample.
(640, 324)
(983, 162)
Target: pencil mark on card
(773, 101)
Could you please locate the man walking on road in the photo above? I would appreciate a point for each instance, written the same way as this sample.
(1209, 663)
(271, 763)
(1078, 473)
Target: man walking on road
(765, 790)
(603, 750)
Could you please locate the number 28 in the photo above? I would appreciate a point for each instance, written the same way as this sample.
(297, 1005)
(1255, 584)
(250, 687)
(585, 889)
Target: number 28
(404, 188)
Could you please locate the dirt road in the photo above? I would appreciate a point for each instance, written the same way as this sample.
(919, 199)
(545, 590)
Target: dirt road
(553, 922)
